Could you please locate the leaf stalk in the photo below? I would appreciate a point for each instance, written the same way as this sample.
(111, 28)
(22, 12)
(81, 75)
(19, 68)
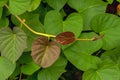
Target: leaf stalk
(23, 22)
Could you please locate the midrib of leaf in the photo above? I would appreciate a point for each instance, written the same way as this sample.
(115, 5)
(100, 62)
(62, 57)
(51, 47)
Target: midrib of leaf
(12, 41)
(81, 11)
(44, 54)
(7, 45)
(99, 75)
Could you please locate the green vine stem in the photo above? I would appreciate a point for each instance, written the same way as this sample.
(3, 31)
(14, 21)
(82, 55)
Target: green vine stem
(43, 34)
(80, 39)
(23, 22)
(38, 33)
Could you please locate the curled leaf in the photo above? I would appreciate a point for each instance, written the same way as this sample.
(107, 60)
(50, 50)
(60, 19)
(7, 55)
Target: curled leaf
(65, 38)
(45, 52)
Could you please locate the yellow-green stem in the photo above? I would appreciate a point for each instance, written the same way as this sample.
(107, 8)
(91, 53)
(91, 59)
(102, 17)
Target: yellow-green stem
(42, 34)
(23, 22)
(85, 39)
(38, 33)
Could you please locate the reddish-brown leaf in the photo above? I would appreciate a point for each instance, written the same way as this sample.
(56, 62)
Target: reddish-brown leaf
(45, 52)
(65, 38)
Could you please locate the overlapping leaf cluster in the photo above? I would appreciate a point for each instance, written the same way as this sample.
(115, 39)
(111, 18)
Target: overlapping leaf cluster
(45, 57)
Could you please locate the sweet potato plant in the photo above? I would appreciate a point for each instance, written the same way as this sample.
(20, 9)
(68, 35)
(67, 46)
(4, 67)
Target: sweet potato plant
(59, 40)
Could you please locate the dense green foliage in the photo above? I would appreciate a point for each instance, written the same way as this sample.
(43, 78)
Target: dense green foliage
(43, 39)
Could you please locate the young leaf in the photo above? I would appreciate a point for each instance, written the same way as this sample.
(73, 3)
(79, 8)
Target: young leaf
(45, 52)
(56, 4)
(65, 38)
(109, 26)
(54, 71)
(6, 68)
(105, 71)
(12, 43)
(18, 7)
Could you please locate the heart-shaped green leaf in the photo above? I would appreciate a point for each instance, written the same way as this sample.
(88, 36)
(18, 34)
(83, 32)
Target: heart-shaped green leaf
(54, 21)
(105, 71)
(45, 52)
(29, 68)
(112, 55)
(6, 68)
(18, 7)
(109, 26)
(65, 38)
(88, 15)
(88, 9)
(81, 5)
(56, 4)
(54, 71)
(34, 4)
(12, 43)
(82, 61)
(87, 47)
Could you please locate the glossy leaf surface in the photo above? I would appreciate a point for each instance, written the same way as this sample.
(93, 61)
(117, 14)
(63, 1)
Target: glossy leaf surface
(18, 7)
(80, 60)
(107, 25)
(34, 5)
(87, 47)
(54, 21)
(106, 70)
(89, 13)
(112, 55)
(81, 5)
(65, 38)
(29, 68)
